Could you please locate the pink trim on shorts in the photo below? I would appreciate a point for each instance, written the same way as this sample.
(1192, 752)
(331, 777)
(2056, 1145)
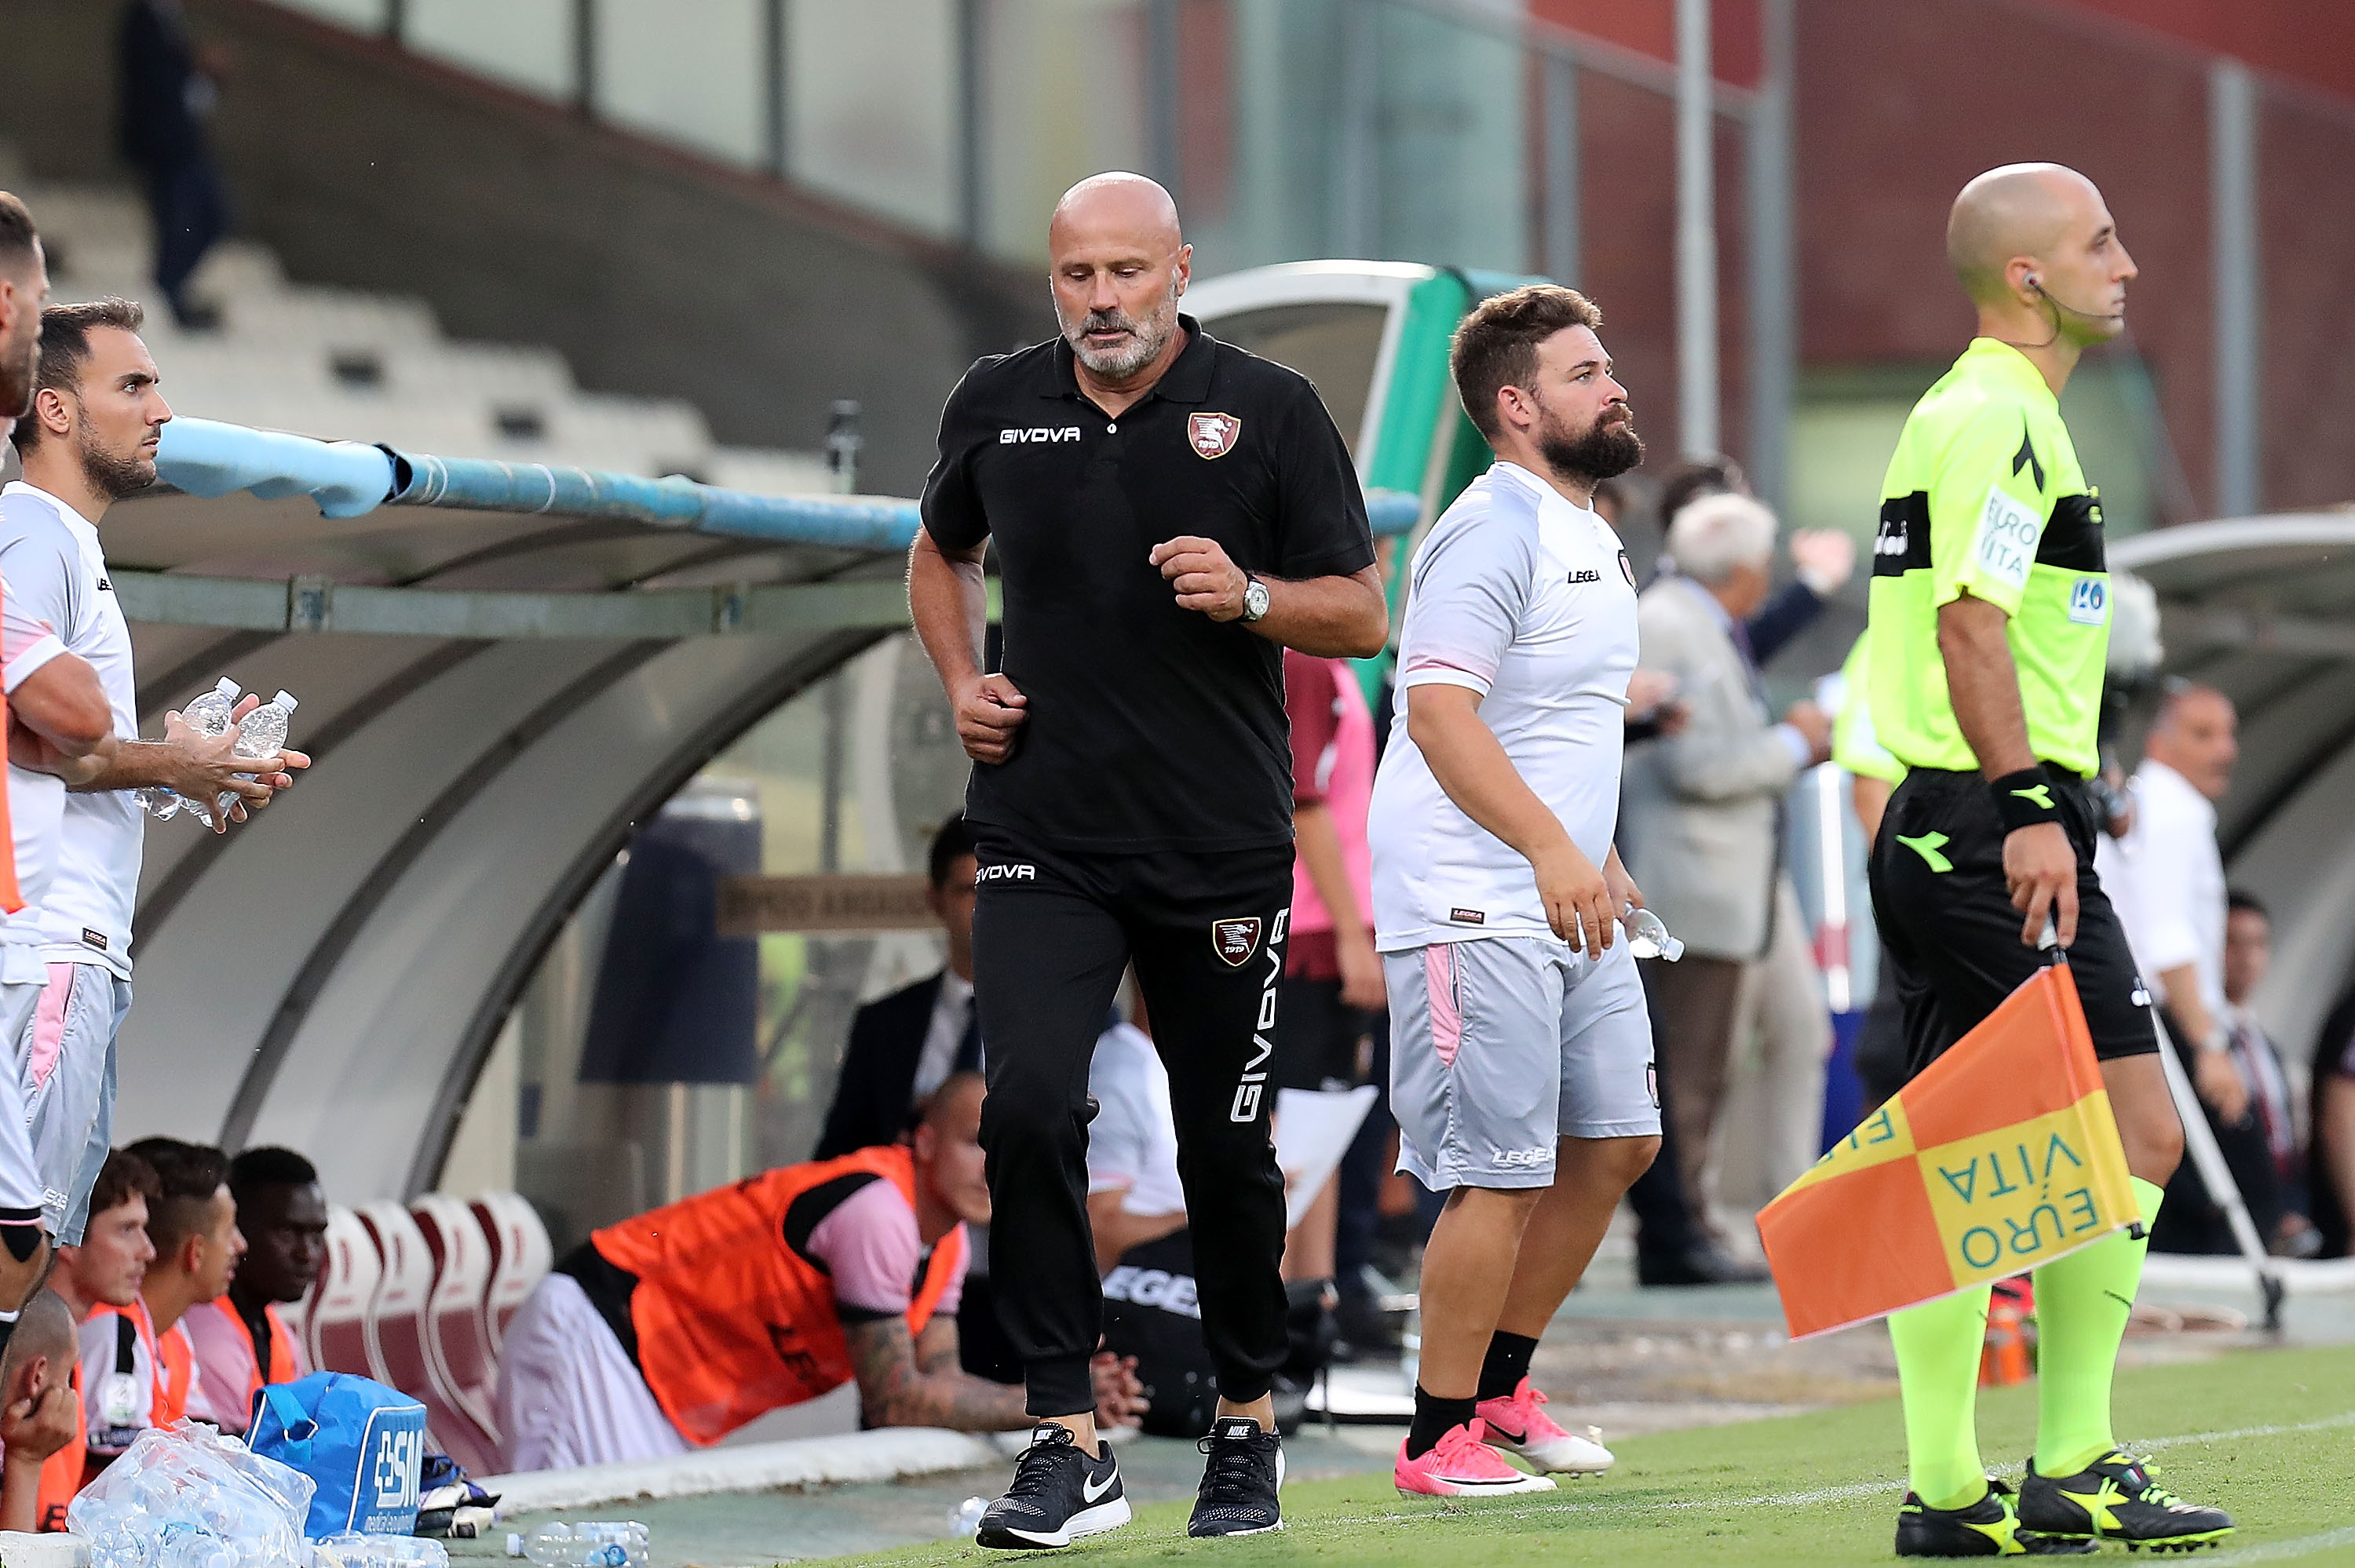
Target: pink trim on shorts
(49, 1023)
(1446, 1014)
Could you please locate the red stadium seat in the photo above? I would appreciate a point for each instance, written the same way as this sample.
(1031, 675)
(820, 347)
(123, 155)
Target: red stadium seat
(396, 1336)
(520, 1257)
(335, 1317)
(457, 1346)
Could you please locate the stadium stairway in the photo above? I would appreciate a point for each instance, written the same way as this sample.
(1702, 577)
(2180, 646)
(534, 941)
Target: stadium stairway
(345, 365)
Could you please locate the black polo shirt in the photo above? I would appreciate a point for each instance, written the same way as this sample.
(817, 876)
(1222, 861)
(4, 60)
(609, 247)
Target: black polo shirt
(1150, 727)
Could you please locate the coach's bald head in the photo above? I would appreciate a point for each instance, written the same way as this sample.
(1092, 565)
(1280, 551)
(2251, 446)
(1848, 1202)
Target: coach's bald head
(1118, 263)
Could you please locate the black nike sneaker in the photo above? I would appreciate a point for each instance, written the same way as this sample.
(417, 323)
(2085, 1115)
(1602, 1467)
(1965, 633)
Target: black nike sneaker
(1059, 1494)
(1989, 1528)
(2117, 1498)
(1240, 1482)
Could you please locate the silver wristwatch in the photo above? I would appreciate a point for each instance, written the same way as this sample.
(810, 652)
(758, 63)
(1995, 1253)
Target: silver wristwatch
(1254, 597)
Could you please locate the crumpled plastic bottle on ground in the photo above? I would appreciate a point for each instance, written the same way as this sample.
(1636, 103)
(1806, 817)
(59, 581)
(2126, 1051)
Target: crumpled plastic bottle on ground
(352, 1550)
(187, 1497)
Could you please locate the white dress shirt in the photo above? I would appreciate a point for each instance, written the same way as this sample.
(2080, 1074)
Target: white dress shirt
(951, 1008)
(2167, 880)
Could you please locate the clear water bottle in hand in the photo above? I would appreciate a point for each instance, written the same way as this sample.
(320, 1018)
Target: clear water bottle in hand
(207, 716)
(262, 734)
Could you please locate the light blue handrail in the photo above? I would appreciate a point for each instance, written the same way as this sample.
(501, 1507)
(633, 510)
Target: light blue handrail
(347, 479)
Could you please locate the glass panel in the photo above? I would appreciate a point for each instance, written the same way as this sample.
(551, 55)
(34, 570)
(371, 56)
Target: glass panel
(871, 93)
(1335, 346)
(526, 43)
(1063, 97)
(703, 85)
(1451, 151)
(369, 16)
(610, 1093)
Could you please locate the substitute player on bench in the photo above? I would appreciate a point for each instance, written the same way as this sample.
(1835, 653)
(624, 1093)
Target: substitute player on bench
(1521, 1075)
(1990, 619)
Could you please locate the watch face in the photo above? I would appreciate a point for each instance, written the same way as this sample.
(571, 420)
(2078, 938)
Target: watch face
(1254, 599)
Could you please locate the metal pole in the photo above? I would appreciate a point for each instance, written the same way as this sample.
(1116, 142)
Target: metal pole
(1561, 184)
(2233, 231)
(584, 57)
(1163, 87)
(776, 42)
(1696, 236)
(1774, 294)
(1354, 226)
(970, 206)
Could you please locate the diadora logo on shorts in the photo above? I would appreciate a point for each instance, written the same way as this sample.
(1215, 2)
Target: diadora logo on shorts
(2141, 997)
(1521, 1159)
(1006, 873)
(2089, 601)
(1047, 433)
(1584, 575)
(1253, 1085)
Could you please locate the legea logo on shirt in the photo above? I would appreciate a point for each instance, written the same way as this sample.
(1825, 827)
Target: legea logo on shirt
(1046, 433)
(1584, 575)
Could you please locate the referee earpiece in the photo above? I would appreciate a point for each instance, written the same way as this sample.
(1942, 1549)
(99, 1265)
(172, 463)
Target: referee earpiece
(2035, 283)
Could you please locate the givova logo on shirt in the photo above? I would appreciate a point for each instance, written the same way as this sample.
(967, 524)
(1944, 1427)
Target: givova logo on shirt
(1047, 433)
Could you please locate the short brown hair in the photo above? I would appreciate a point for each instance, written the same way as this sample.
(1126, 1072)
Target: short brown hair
(1497, 345)
(123, 1177)
(65, 349)
(188, 1176)
(17, 235)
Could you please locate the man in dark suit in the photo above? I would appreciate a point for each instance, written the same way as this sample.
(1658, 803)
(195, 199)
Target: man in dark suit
(903, 1046)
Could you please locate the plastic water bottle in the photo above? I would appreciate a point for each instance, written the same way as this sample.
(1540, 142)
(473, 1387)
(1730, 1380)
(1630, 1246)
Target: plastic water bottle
(593, 1545)
(965, 1518)
(207, 716)
(352, 1550)
(263, 734)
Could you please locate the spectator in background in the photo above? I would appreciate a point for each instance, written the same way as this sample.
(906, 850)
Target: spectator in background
(240, 1341)
(138, 1369)
(2331, 1146)
(903, 1046)
(1823, 558)
(1701, 831)
(1332, 984)
(169, 86)
(106, 1270)
(40, 1412)
(2280, 1163)
(2165, 878)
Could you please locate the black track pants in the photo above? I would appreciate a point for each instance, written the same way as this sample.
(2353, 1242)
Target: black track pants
(1053, 932)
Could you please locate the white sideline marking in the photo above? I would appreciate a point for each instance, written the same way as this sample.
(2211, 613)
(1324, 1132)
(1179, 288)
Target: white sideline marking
(885, 1454)
(1855, 1489)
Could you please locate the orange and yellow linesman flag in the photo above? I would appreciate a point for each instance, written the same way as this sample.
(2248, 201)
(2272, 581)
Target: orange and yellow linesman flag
(2000, 1158)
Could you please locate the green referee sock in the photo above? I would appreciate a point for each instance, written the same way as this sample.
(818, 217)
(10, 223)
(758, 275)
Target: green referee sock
(1938, 1345)
(2082, 1305)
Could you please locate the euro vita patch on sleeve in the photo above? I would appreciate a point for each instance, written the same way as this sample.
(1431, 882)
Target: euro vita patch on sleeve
(2005, 545)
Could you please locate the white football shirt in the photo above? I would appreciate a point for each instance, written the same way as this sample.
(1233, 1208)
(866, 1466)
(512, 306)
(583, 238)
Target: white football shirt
(1529, 600)
(51, 555)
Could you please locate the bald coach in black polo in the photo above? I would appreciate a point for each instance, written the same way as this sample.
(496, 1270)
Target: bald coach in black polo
(1170, 514)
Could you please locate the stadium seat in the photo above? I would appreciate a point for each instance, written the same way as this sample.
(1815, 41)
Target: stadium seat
(457, 1347)
(396, 1336)
(335, 1317)
(520, 1256)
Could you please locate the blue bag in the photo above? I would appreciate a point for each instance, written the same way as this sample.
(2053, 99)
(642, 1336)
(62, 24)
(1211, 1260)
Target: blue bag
(362, 1445)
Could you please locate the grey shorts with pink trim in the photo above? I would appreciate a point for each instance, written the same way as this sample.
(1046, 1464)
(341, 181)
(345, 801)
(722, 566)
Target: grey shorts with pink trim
(1502, 1044)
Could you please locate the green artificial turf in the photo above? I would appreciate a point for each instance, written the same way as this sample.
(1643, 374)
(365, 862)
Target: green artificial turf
(2266, 1434)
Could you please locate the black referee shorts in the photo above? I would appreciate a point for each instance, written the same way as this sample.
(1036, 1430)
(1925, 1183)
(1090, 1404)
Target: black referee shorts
(1945, 914)
(1052, 932)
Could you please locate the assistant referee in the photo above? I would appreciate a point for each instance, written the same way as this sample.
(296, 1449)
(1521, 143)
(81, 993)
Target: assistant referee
(1989, 624)
(1170, 513)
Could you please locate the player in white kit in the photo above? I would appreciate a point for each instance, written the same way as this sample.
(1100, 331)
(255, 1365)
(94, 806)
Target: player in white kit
(1521, 1070)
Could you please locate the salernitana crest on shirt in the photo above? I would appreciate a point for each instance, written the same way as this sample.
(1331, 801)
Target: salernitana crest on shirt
(1212, 435)
(1235, 940)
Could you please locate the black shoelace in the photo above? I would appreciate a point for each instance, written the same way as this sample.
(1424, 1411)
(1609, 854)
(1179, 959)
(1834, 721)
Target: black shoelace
(1034, 1472)
(1233, 1467)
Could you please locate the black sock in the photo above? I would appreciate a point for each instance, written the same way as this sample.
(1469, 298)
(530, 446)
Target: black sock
(1433, 1418)
(1506, 1365)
